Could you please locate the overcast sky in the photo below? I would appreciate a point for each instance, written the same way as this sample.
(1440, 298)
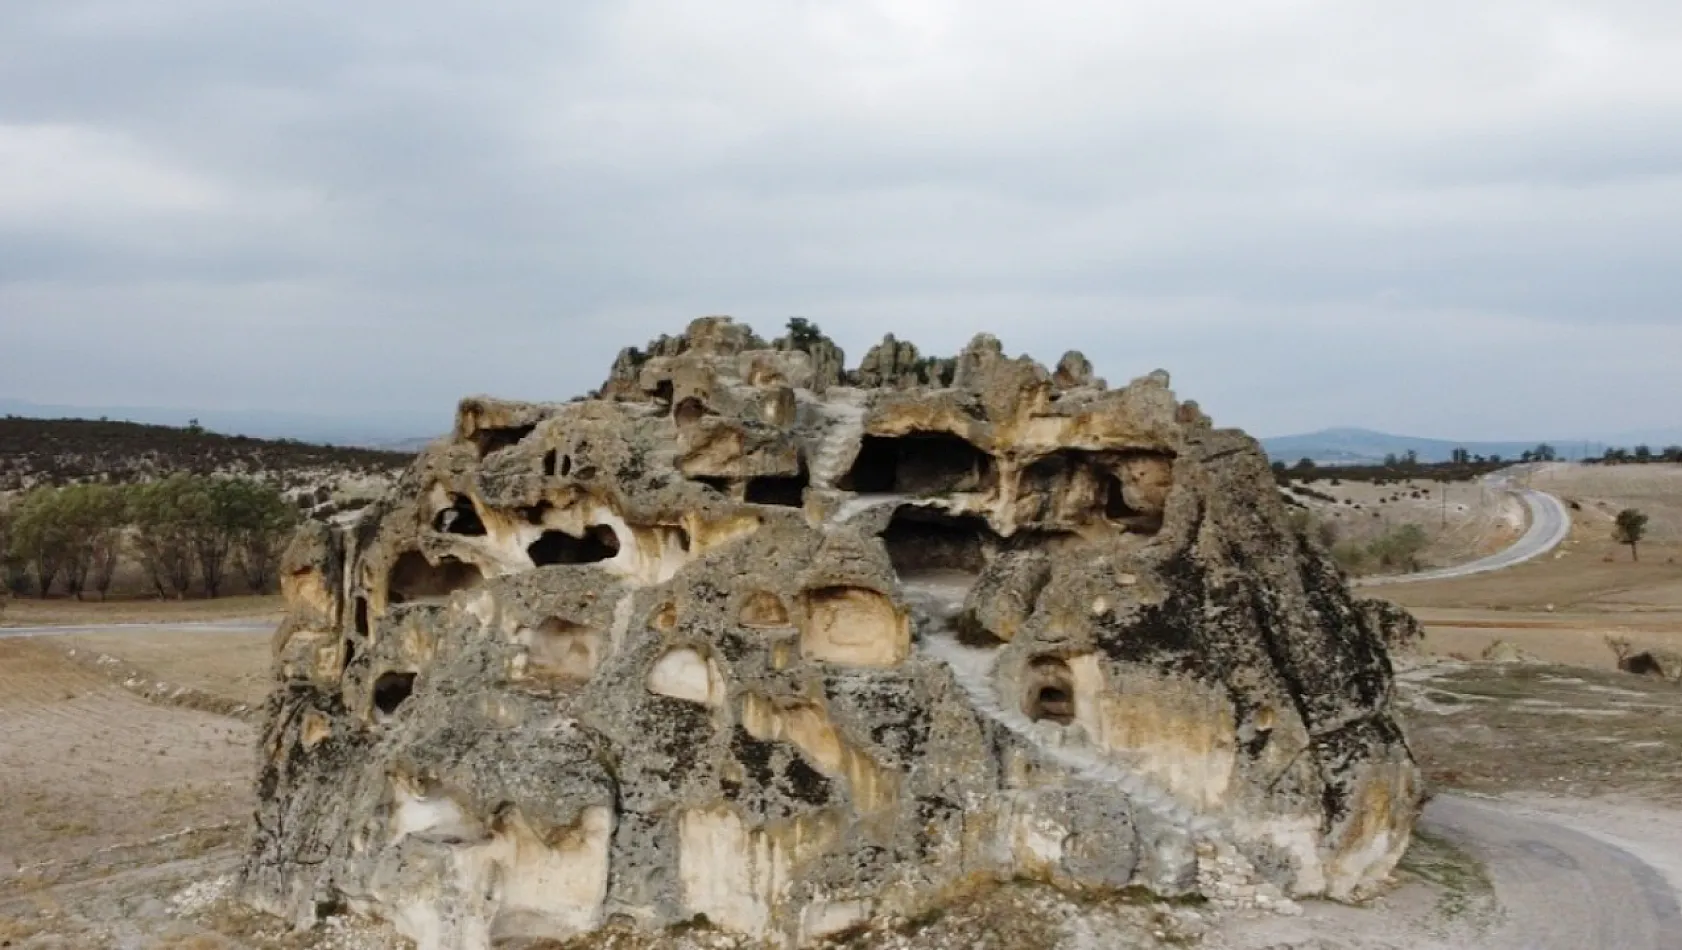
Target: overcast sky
(1436, 217)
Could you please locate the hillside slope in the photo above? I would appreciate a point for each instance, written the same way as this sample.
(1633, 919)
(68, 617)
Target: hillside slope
(1354, 445)
(63, 451)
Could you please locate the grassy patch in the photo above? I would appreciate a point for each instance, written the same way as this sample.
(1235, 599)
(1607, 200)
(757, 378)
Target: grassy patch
(1462, 882)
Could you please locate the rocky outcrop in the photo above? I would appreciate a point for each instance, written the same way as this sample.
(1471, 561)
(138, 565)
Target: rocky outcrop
(896, 364)
(717, 644)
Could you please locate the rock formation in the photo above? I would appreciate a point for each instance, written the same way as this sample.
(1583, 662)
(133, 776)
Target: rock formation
(714, 643)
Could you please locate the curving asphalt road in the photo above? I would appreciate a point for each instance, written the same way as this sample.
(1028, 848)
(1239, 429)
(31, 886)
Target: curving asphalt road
(1560, 888)
(1550, 522)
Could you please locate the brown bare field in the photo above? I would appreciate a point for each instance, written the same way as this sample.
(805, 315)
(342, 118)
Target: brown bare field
(1601, 490)
(86, 765)
(64, 611)
(1562, 606)
(233, 665)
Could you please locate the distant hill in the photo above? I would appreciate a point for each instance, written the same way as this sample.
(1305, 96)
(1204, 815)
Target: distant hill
(372, 429)
(1349, 446)
(60, 451)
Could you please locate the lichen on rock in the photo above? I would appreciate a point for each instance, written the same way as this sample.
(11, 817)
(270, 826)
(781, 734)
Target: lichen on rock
(744, 636)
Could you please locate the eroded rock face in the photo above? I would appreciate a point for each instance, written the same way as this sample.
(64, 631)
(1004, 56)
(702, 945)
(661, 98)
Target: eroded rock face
(716, 643)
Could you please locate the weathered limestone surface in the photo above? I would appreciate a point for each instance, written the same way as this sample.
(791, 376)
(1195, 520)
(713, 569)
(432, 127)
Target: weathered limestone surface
(737, 639)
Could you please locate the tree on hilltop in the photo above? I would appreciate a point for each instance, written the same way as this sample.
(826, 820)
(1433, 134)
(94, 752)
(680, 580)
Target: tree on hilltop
(803, 334)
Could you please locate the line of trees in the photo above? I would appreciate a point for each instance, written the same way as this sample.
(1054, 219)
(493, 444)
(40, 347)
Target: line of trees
(184, 532)
(1641, 455)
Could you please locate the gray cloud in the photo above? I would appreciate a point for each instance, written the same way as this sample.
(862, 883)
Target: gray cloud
(1449, 220)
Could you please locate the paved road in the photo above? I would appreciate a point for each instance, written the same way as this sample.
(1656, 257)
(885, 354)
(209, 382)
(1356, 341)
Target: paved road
(1560, 888)
(215, 626)
(1550, 522)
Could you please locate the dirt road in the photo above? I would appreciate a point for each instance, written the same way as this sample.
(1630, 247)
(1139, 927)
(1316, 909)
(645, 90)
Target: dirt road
(1560, 887)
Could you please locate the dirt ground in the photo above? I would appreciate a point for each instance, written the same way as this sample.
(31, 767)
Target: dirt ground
(65, 611)
(233, 665)
(1497, 728)
(86, 765)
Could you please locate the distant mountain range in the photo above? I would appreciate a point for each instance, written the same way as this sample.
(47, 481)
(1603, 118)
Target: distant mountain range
(394, 431)
(1350, 446)
(410, 431)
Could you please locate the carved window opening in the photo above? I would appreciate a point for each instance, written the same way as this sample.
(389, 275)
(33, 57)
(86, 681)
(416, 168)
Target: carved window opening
(788, 491)
(392, 690)
(414, 578)
(921, 463)
(1115, 499)
(1051, 691)
(920, 540)
(599, 543)
(499, 438)
(720, 485)
(460, 518)
(560, 649)
(690, 410)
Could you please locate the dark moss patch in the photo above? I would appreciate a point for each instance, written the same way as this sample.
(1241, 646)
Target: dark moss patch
(754, 755)
(684, 731)
(804, 783)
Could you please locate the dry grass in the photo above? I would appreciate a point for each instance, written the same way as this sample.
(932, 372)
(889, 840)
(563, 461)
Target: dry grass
(1470, 522)
(231, 665)
(1557, 730)
(1603, 489)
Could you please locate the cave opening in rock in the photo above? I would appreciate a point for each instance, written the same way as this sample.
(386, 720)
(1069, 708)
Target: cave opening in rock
(414, 578)
(498, 438)
(919, 463)
(1051, 691)
(788, 491)
(663, 392)
(392, 689)
(551, 462)
(462, 518)
(599, 543)
(1115, 499)
(721, 485)
(763, 608)
(562, 649)
(690, 410)
(362, 615)
(925, 540)
(853, 626)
